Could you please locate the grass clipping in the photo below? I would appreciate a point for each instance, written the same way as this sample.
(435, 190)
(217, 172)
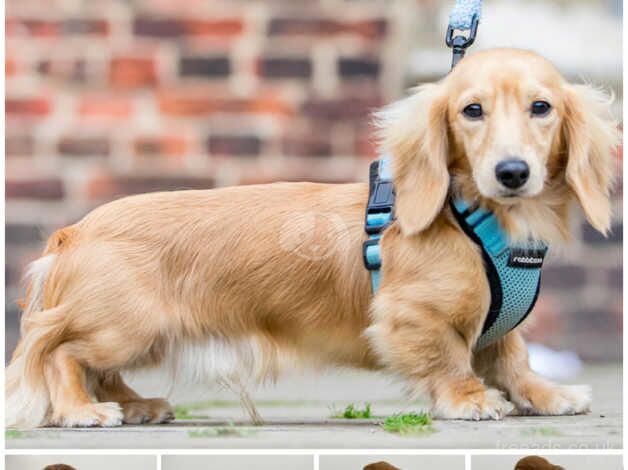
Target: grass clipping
(408, 424)
(405, 424)
(353, 412)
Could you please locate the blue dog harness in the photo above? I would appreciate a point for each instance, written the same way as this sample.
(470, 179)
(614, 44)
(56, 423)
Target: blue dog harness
(513, 272)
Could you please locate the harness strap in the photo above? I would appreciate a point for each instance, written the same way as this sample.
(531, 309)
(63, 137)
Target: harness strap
(379, 214)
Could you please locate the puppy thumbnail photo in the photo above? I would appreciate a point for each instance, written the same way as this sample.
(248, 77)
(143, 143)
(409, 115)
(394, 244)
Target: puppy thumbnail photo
(545, 462)
(80, 462)
(391, 462)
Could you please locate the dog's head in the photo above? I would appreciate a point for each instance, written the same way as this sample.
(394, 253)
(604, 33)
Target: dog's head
(380, 466)
(59, 466)
(534, 462)
(505, 130)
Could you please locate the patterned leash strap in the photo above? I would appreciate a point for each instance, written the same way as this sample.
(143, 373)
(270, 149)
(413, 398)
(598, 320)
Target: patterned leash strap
(464, 18)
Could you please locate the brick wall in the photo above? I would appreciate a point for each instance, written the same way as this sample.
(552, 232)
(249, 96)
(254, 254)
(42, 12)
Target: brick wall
(118, 97)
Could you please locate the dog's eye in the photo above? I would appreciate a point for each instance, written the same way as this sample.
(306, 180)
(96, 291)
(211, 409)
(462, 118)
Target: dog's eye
(473, 111)
(541, 108)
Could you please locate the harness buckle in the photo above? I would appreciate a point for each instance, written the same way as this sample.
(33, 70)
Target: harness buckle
(379, 211)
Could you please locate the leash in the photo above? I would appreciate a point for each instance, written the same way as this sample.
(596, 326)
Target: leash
(465, 17)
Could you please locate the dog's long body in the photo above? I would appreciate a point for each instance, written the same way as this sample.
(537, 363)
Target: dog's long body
(228, 284)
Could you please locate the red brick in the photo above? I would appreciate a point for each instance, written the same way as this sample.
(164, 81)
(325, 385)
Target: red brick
(190, 106)
(308, 141)
(27, 107)
(157, 27)
(71, 70)
(133, 72)
(220, 28)
(19, 145)
(207, 67)
(371, 29)
(86, 26)
(12, 27)
(358, 68)
(43, 28)
(84, 146)
(235, 145)
(33, 27)
(171, 28)
(346, 108)
(44, 188)
(161, 145)
(109, 187)
(10, 67)
(295, 169)
(106, 107)
(366, 142)
(298, 26)
(285, 67)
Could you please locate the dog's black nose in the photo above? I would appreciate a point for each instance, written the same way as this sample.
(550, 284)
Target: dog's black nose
(512, 173)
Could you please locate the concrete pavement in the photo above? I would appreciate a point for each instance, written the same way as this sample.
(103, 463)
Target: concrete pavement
(297, 414)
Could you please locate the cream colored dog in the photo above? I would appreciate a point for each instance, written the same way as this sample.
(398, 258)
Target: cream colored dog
(228, 284)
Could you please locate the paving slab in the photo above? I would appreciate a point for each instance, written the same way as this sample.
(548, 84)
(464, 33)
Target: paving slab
(297, 413)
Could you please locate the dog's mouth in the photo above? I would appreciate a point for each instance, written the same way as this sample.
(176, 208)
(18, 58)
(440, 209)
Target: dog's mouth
(505, 196)
(511, 198)
(511, 194)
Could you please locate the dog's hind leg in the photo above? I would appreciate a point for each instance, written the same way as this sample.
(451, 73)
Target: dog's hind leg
(137, 410)
(71, 402)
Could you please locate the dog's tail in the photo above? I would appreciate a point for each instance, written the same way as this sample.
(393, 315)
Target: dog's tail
(42, 330)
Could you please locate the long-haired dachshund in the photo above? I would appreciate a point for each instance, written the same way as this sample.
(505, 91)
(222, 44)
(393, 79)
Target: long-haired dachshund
(534, 462)
(380, 466)
(229, 285)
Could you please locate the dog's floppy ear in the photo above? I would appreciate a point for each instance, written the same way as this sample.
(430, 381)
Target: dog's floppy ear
(413, 132)
(591, 138)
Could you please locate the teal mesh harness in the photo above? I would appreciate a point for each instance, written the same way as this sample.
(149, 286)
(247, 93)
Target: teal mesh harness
(513, 272)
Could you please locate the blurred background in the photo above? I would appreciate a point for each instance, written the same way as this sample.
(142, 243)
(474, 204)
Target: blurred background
(114, 97)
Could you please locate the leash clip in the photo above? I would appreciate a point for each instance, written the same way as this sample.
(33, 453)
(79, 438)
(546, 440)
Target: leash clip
(460, 43)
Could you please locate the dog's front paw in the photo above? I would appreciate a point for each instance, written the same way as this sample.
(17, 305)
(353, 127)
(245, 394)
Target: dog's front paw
(95, 414)
(554, 400)
(477, 405)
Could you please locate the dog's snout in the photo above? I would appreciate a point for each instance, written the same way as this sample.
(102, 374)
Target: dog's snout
(512, 173)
